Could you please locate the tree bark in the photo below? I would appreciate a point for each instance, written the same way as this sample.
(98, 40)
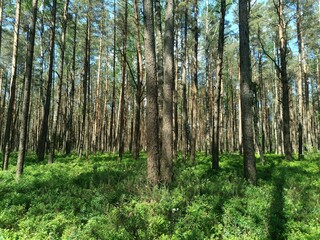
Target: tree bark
(6, 141)
(300, 83)
(219, 68)
(185, 125)
(113, 101)
(152, 96)
(123, 82)
(167, 126)
(57, 113)
(284, 82)
(138, 99)
(70, 132)
(194, 89)
(246, 94)
(45, 120)
(24, 116)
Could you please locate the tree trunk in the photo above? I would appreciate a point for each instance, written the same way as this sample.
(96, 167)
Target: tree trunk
(159, 62)
(219, 68)
(24, 115)
(58, 105)
(194, 90)
(113, 102)
(246, 94)
(300, 83)
(70, 132)
(85, 88)
(6, 141)
(44, 124)
(185, 125)
(123, 83)
(167, 126)
(152, 96)
(284, 82)
(136, 142)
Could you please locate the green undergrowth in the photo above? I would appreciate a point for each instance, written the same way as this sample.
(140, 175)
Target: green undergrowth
(104, 198)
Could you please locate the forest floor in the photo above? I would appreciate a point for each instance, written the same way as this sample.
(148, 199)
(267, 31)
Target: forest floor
(102, 198)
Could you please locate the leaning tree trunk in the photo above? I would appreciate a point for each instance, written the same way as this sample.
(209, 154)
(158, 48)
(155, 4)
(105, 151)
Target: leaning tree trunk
(12, 96)
(24, 116)
(152, 96)
(246, 94)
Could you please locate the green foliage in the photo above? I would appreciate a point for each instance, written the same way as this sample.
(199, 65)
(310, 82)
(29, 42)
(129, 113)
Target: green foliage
(104, 198)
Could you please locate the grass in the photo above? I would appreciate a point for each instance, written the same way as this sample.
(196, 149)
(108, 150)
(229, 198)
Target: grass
(106, 199)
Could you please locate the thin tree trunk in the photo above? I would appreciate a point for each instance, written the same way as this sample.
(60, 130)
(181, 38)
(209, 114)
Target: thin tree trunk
(6, 141)
(97, 129)
(219, 68)
(246, 94)
(185, 125)
(58, 105)
(70, 132)
(300, 80)
(123, 83)
(152, 123)
(284, 82)
(44, 124)
(24, 115)
(136, 142)
(113, 103)
(194, 90)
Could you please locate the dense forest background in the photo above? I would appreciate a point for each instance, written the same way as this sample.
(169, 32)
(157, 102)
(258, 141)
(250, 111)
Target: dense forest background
(74, 75)
(159, 119)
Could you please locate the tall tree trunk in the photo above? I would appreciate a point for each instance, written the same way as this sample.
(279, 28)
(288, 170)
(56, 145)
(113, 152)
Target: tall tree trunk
(194, 90)
(219, 68)
(1, 74)
(240, 115)
(284, 82)
(44, 124)
(258, 89)
(246, 94)
(113, 102)
(123, 83)
(167, 126)
(24, 115)
(318, 76)
(152, 96)
(185, 125)
(159, 62)
(6, 141)
(97, 120)
(61, 72)
(85, 88)
(136, 142)
(70, 132)
(300, 83)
